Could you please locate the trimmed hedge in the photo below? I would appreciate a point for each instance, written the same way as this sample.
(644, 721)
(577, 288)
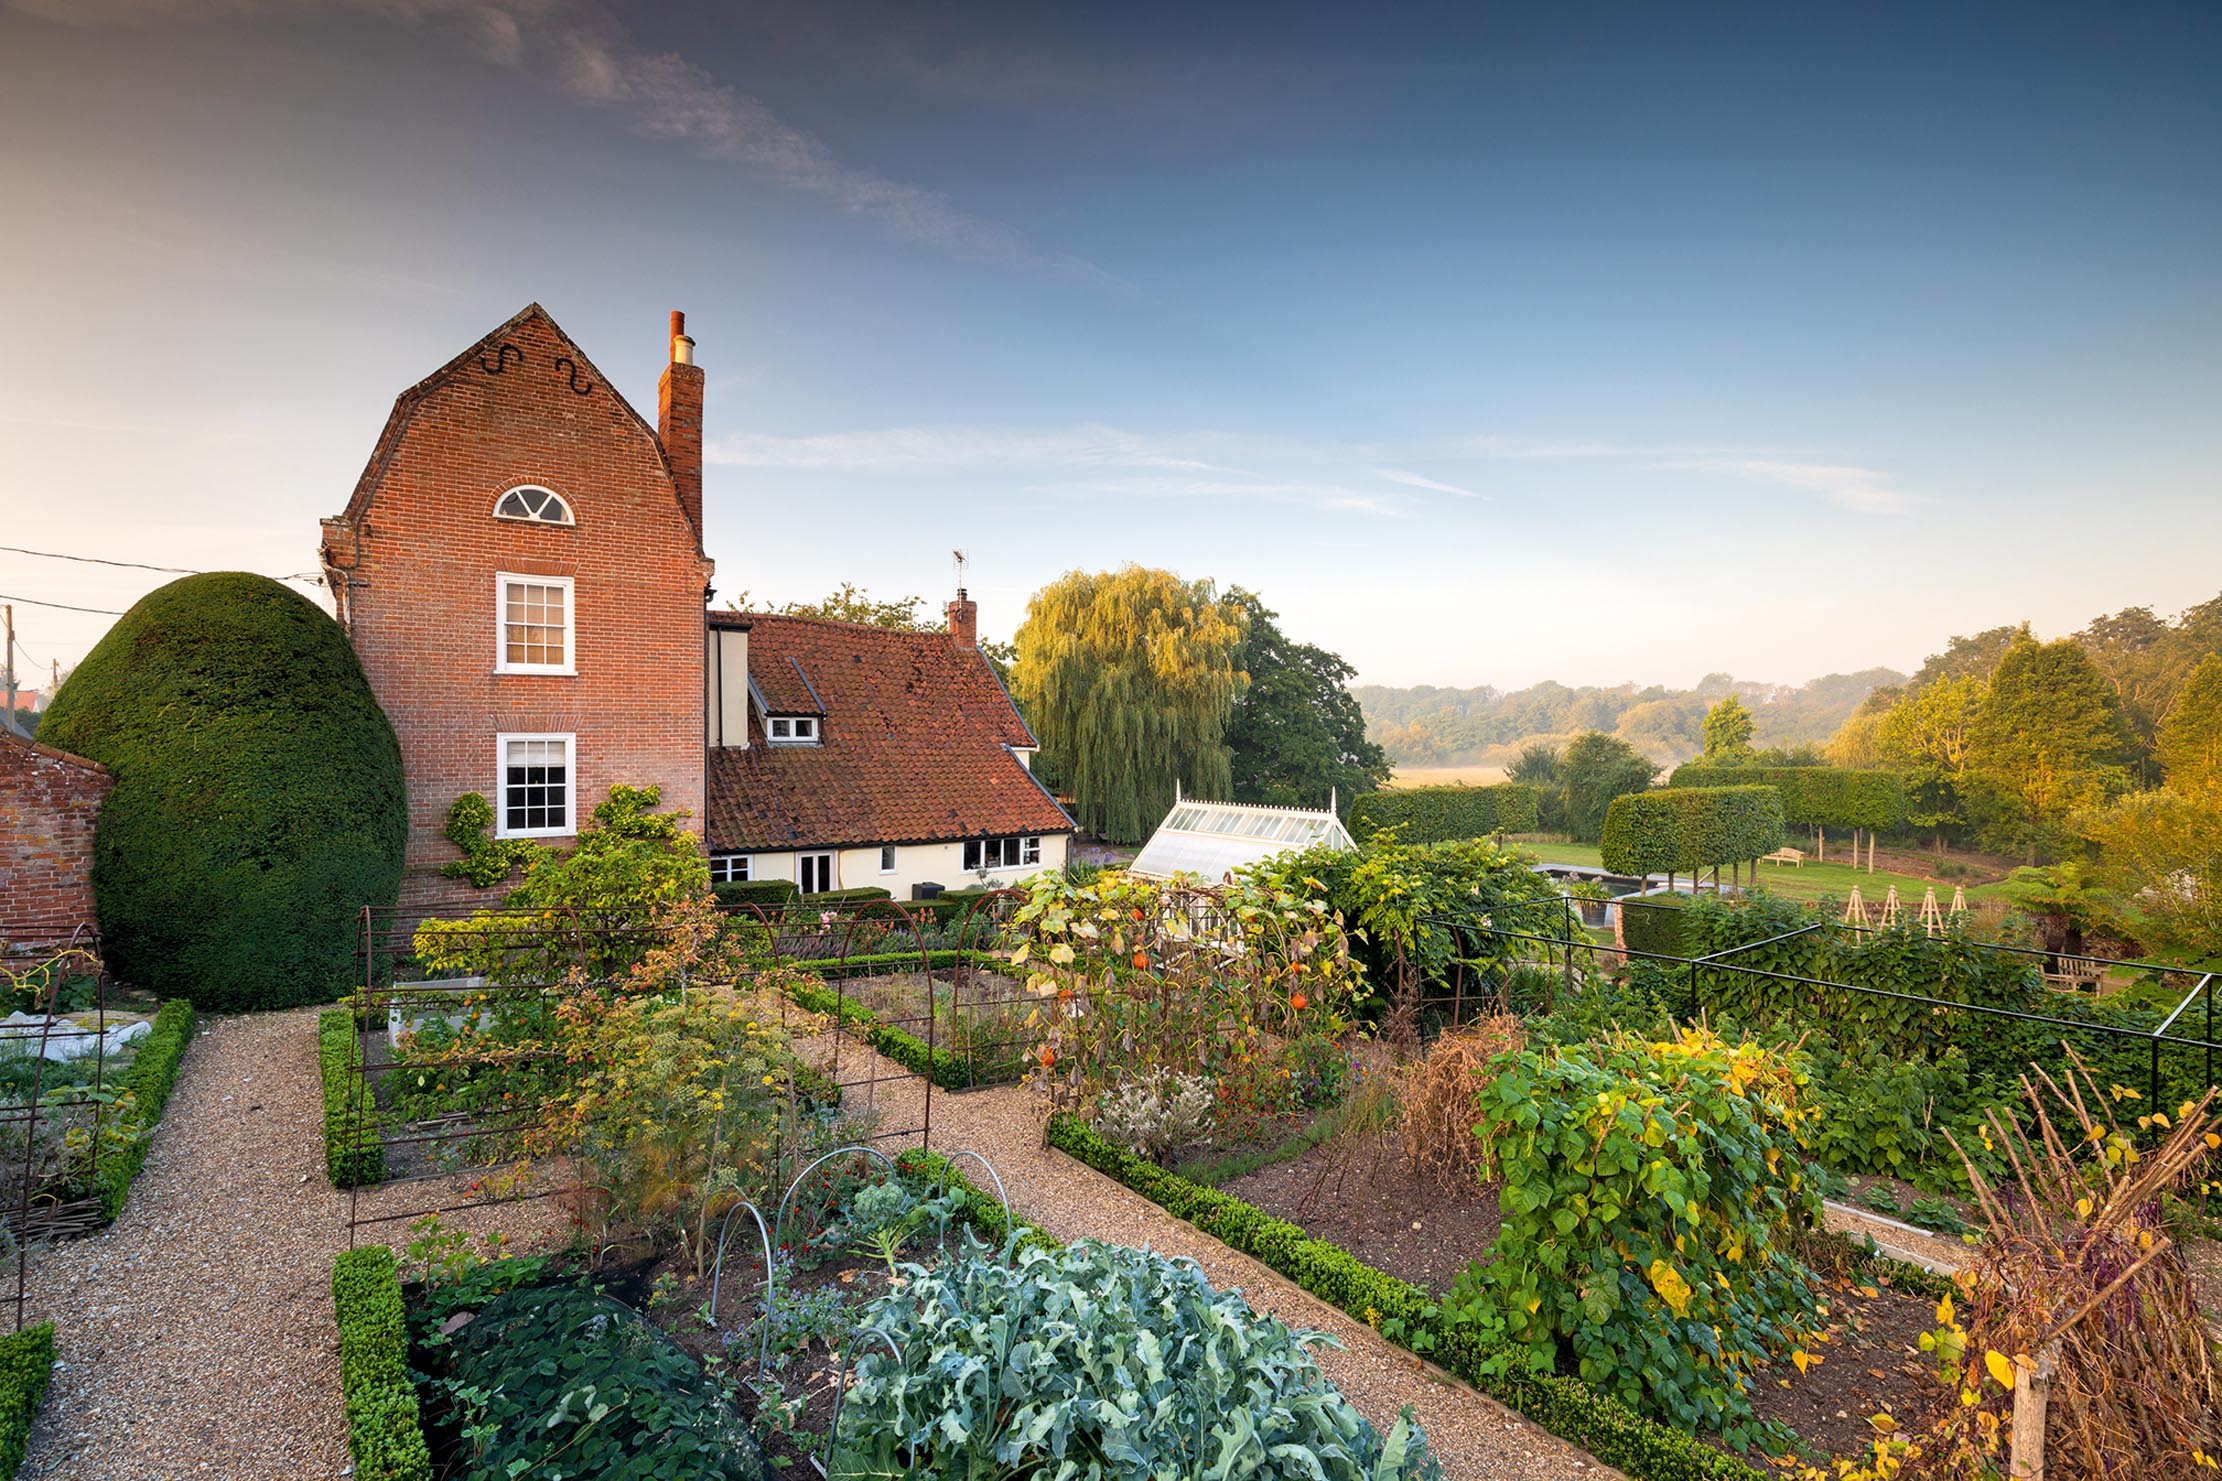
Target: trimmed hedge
(385, 1432)
(337, 1047)
(1440, 814)
(842, 897)
(1681, 830)
(150, 1078)
(258, 804)
(945, 1067)
(1405, 1314)
(1824, 796)
(756, 892)
(26, 1363)
(1655, 923)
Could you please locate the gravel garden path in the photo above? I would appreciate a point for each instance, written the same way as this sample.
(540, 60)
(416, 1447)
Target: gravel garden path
(195, 1334)
(1476, 1438)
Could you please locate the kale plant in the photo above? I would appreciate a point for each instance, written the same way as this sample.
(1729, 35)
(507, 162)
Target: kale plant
(1099, 1362)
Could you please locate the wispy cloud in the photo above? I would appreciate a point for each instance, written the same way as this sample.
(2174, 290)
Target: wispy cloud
(1864, 490)
(1415, 481)
(582, 47)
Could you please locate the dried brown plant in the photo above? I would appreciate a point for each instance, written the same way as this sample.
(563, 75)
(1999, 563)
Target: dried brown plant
(2077, 1271)
(1439, 1112)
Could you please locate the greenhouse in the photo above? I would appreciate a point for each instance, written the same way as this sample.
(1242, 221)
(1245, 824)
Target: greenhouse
(1213, 839)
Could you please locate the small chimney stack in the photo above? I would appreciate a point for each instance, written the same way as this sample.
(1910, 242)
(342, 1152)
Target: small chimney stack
(964, 621)
(679, 421)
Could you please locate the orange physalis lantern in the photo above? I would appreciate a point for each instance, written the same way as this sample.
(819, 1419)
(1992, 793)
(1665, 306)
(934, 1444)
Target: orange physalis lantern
(1296, 1002)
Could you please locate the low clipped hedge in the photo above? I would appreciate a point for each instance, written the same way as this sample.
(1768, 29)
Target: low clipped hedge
(1440, 814)
(385, 1431)
(1681, 830)
(756, 892)
(946, 1067)
(26, 1363)
(1407, 1315)
(150, 1078)
(337, 1046)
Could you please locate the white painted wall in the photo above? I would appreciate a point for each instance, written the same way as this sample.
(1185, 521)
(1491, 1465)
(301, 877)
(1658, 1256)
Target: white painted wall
(938, 863)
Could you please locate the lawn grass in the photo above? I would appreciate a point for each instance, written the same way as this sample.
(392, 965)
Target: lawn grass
(1814, 881)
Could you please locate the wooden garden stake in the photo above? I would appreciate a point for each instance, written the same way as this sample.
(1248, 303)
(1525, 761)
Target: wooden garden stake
(2032, 1394)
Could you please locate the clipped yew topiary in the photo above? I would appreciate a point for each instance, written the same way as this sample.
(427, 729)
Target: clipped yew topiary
(258, 802)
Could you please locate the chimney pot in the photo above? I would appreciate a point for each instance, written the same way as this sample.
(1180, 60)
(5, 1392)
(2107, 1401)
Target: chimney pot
(964, 621)
(682, 348)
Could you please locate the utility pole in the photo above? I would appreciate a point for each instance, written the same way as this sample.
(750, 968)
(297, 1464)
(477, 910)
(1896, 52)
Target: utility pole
(7, 656)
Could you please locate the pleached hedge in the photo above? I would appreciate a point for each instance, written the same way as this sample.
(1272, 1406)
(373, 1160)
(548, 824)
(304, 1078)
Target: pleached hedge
(1681, 830)
(1440, 814)
(1824, 796)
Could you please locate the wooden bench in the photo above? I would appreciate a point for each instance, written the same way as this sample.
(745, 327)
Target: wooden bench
(1795, 858)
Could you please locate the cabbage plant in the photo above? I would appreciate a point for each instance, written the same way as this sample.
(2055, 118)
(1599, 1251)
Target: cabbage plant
(1099, 1363)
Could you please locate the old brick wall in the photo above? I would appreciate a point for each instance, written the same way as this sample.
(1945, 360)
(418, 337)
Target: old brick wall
(419, 549)
(49, 802)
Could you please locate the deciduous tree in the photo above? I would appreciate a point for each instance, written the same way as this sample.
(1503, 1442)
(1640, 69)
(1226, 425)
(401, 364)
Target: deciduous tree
(2050, 735)
(1297, 736)
(1129, 678)
(1595, 769)
(2191, 736)
(1728, 729)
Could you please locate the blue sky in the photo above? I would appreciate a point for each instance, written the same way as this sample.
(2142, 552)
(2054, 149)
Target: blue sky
(1490, 345)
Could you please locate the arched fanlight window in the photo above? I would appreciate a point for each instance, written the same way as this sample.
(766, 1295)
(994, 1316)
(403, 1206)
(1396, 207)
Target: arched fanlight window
(534, 504)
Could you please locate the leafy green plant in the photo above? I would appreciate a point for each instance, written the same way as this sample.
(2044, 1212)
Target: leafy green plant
(487, 860)
(1115, 1363)
(1650, 1193)
(562, 1381)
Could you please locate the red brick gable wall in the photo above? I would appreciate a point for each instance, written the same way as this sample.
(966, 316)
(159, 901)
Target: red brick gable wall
(49, 803)
(418, 550)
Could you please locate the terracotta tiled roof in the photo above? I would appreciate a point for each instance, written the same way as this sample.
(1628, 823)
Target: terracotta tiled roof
(916, 746)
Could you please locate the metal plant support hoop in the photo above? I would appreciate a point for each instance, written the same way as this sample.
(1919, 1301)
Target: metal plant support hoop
(717, 1276)
(941, 1186)
(841, 1387)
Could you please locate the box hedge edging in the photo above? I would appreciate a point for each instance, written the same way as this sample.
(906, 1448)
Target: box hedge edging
(1406, 1315)
(336, 1049)
(151, 1077)
(947, 1069)
(26, 1363)
(385, 1432)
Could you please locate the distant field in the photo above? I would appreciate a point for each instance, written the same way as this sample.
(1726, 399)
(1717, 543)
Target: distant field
(1446, 776)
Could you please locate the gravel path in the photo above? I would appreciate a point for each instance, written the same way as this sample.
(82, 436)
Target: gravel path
(195, 1334)
(1477, 1438)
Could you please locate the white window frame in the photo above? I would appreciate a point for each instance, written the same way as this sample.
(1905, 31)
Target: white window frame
(832, 871)
(570, 742)
(1002, 851)
(570, 664)
(528, 519)
(737, 868)
(887, 858)
(791, 730)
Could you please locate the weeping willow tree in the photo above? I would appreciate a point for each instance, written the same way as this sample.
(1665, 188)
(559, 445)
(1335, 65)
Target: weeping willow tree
(1128, 679)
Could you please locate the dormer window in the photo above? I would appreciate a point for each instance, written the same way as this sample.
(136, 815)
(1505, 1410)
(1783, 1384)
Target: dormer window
(534, 505)
(792, 730)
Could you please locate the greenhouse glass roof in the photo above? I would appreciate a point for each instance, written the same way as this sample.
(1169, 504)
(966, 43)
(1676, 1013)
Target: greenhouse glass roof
(1213, 839)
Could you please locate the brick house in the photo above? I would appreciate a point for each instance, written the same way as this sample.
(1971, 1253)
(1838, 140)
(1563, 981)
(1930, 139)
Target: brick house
(844, 755)
(49, 803)
(521, 571)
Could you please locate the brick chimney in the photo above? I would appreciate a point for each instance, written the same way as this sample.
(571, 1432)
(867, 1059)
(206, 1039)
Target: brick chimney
(679, 420)
(964, 621)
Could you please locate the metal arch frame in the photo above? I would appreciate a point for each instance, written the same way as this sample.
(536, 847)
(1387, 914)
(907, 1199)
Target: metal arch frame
(771, 1294)
(941, 1186)
(824, 1467)
(779, 1224)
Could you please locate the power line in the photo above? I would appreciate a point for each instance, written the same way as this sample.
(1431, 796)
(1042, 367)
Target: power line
(94, 560)
(60, 606)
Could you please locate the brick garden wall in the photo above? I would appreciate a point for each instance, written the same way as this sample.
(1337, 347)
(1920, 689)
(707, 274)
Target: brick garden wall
(49, 802)
(419, 548)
